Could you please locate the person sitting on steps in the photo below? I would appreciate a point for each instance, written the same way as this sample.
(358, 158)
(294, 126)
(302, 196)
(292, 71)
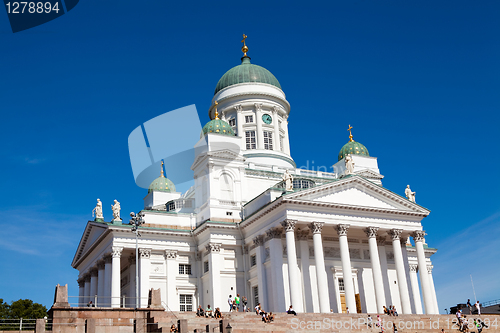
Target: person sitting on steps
(291, 311)
(200, 312)
(209, 311)
(218, 314)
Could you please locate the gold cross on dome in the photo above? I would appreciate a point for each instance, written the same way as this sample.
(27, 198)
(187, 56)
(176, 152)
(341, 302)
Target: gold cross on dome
(350, 134)
(161, 174)
(244, 49)
(243, 41)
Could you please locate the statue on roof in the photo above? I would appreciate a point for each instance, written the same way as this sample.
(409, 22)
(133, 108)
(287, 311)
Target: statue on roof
(409, 194)
(349, 165)
(116, 211)
(288, 179)
(97, 211)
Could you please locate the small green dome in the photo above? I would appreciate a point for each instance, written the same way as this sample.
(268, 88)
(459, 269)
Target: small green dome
(162, 184)
(353, 147)
(217, 126)
(246, 72)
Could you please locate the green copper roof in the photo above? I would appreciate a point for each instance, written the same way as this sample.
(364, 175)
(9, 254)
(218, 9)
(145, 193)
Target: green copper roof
(246, 72)
(353, 147)
(162, 184)
(217, 126)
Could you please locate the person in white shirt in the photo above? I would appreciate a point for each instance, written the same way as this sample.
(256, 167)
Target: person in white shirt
(230, 302)
(478, 307)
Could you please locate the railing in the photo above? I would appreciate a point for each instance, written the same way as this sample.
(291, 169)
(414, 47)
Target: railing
(21, 324)
(106, 301)
(490, 303)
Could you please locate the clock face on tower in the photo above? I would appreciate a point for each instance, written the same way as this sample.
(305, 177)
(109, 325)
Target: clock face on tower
(267, 119)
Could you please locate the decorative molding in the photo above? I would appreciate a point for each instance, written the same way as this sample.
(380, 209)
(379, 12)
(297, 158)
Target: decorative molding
(331, 252)
(419, 235)
(238, 108)
(355, 253)
(213, 247)
(267, 254)
(289, 225)
(274, 233)
(366, 254)
(259, 240)
(302, 235)
(100, 264)
(258, 107)
(170, 254)
(198, 256)
(413, 268)
(395, 233)
(342, 229)
(316, 227)
(81, 282)
(145, 253)
(116, 251)
(429, 269)
(371, 232)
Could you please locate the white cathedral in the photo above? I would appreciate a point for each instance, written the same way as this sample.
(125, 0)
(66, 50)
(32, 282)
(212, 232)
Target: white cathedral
(254, 224)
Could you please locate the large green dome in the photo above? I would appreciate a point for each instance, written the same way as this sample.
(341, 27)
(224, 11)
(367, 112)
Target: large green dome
(353, 147)
(162, 184)
(217, 126)
(246, 72)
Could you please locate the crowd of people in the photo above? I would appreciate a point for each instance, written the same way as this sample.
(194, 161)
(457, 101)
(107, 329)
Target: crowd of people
(391, 311)
(463, 321)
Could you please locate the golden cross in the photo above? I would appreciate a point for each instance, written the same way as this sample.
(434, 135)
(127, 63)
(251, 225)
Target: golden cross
(162, 169)
(216, 112)
(243, 41)
(350, 134)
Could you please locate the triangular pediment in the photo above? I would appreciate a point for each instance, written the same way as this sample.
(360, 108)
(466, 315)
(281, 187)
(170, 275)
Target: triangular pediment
(355, 191)
(91, 234)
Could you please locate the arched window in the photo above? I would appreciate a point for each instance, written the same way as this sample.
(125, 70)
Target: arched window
(226, 187)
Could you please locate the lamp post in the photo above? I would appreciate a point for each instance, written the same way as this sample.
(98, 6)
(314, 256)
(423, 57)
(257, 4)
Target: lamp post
(136, 221)
(229, 329)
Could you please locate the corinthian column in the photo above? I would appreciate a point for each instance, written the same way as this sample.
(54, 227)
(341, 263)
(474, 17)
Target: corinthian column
(319, 257)
(415, 289)
(400, 271)
(172, 272)
(115, 276)
(433, 290)
(350, 299)
(100, 283)
(378, 282)
(261, 277)
(293, 274)
(418, 237)
(144, 269)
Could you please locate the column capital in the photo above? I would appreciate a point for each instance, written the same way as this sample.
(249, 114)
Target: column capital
(170, 254)
(213, 247)
(413, 267)
(100, 264)
(238, 107)
(86, 277)
(316, 227)
(198, 256)
(259, 240)
(274, 233)
(107, 257)
(81, 282)
(419, 235)
(342, 229)
(93, 271)
(381, 240)
(145, 253)
(131, 259)
(116, 251)
(371, 232)
(395, 233)
(302, 234)
(258, 106)
(289, 225)
(429, 269)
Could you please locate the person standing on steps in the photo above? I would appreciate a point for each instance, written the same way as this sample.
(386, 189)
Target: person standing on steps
(230, 302)
(237, 301)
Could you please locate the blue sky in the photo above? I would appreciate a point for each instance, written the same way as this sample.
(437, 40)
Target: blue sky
(418, 81)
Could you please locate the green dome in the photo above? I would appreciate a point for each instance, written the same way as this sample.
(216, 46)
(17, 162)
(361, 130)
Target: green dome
(217, 126)
(162, 184)
(353, 147)
(246, 72)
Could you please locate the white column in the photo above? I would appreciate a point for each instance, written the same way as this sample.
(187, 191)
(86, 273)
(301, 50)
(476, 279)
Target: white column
(144, 270)
(404, 242)
(107, 278)
(385, 270)
(319, 258)
(293, 269)
(378, 282)
(100, 283)
(286, 140)
(302, 237)
(93, 284)
(276, 297)
(172, 272)
(239, 122)
(433, 290)
(115, 276)
(131, 273)
(415, 289)
(350, 299)
(258, 122)
(400, 271)
(86, 299)
(81, 292)
(418, 237)
(276, 137)
(214, 268)
(261, 276)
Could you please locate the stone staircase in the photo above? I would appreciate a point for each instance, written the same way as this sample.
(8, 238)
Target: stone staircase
(318, 323)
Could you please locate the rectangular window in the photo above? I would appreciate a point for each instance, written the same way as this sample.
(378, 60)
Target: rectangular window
(253, 260)
(205, 267)
(248, 119)
(186, 302)
(255, 293)
(341, 285)
(232, 122)
(185, 269)
(170, 206)
(282, 148)
(250, 139)
(268, 140)
(229, 213)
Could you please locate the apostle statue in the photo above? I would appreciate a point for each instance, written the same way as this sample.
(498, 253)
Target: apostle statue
(349, 165)
(98, 211)
(116, 211)
(288, 179)
(409, 194)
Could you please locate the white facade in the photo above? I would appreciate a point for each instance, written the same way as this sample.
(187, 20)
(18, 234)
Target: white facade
(335, 241)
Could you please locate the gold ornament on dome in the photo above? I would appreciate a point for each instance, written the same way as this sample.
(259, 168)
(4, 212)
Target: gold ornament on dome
(350, 134)
(244, 49)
